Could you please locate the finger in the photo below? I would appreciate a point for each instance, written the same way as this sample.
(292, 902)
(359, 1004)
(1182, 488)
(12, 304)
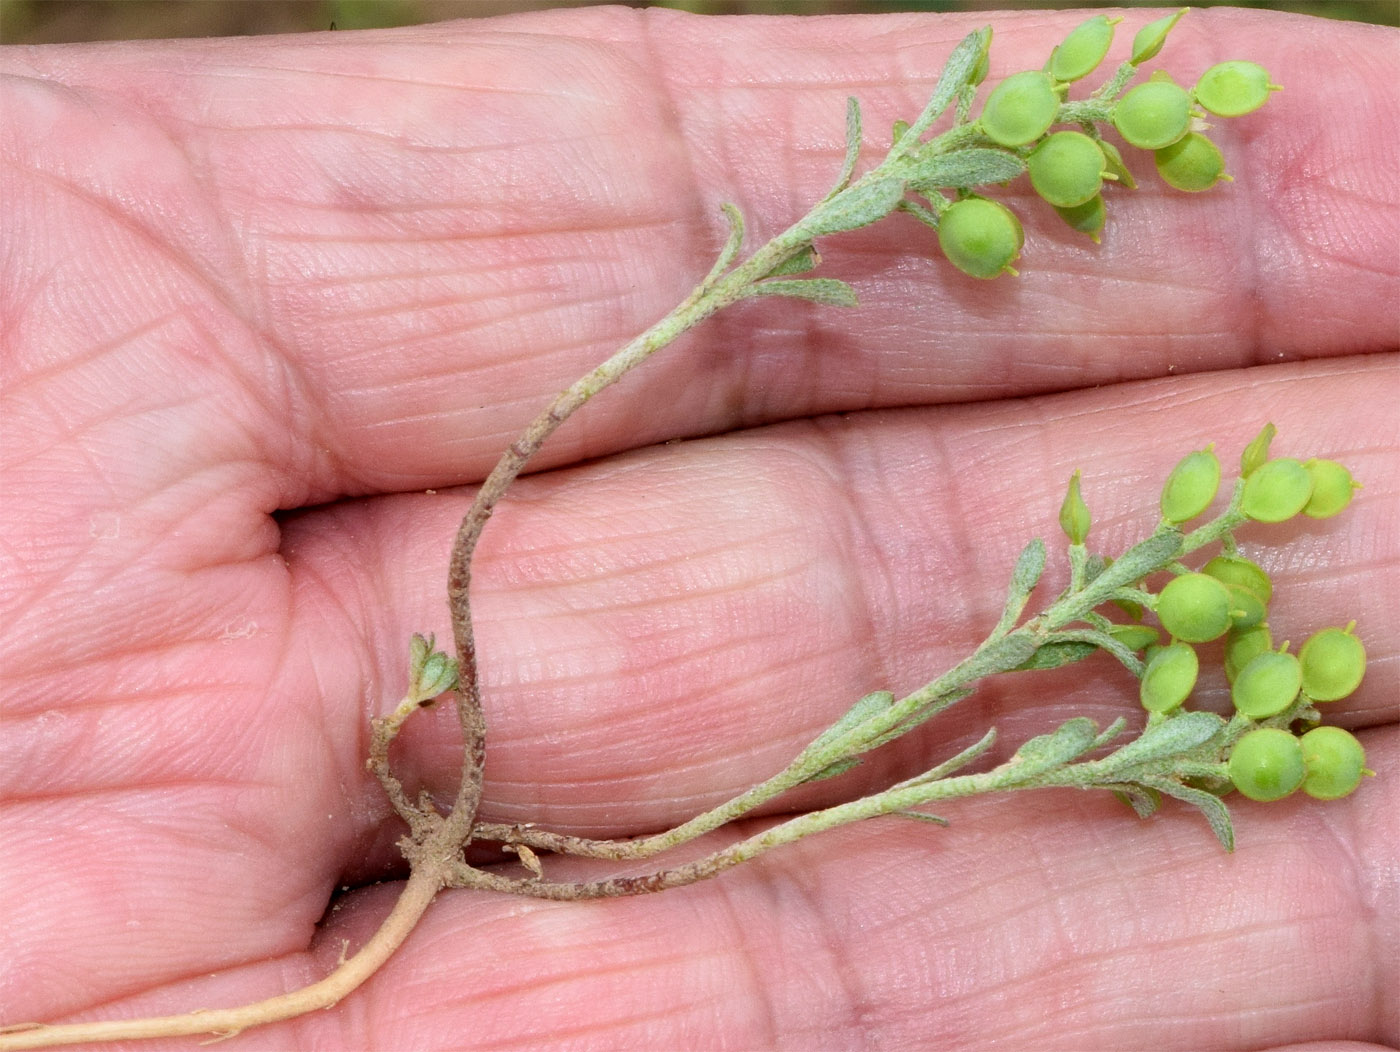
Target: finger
(434, 236)
(1053, 920)
(661, 631)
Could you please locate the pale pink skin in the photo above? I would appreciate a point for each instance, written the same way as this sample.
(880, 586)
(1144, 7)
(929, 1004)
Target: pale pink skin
(335, 271)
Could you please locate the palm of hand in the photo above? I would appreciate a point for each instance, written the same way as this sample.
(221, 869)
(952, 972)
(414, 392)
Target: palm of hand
(222, 303)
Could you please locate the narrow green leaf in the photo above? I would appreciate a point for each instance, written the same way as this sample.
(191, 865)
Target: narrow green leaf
(828, 291)
(1071, 739)
(858, 205)
(921, 716)
(852, 147)
(1171, 737)
(1210, 805)
(957, 74)
(875, 702)
(1030, 564)
(731, 248)
(832, 770)
(953, 763)
(1053, 655)
(964, 169)
(1143, 801)
(800, 263)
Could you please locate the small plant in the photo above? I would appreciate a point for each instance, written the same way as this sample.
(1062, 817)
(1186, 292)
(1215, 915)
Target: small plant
(1270, 747)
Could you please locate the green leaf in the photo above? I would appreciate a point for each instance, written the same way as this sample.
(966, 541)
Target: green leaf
(953, 763)
(800, 263)
(1142, 800)
(957, 74)
(852, 147)
(1030, 564)
(875, 702)
(1172, 737)
(859, 205)
(1210, 805)
(832, 770)
(1071, 739)
(730, 252)
(828, 291)
(1053, 655)
(1143, 558)
(964, 169)
(920, 716)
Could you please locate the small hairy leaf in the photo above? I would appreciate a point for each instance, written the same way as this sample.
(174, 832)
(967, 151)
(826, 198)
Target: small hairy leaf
(1071, 739)
(964, 169)
(856, 206)
(828, 291)
(852, 147)
(1210, 805)
(1053, 655)
(1176, 735)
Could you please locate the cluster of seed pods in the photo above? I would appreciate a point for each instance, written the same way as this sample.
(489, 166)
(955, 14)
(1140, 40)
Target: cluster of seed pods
(1228, 599)
(1069, 167)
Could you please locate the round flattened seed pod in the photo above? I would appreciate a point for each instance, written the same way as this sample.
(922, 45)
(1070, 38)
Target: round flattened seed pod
(1277, 490)
(981, 238)
(1191, 486)
(1267, 685)
(1333, 488)
(1020, 109)
(1193, 163)
(1335, 762)
(1083, 49)
(1194, 608)
(1169, 677)
(1333, 662)
(1153, 115)
(1232, 89)
(1267, 764)
(1066, 169)
(1088, 218)
(1243, 645)
(1237, 570)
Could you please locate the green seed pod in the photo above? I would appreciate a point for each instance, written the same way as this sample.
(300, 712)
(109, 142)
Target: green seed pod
(1194, 608)
(1191, 486)
(1257, 452)
(1151, 37)
(1243, 645)
(1278, 490)
(1237, 570)
(981, 238)
(1193, 163)
(1267, 685)
(1334, 662)
(1335, 762)
(1267, 764)
(1020, 109)
(1066, 169)
(1153, 115)
(1083, 49)
(1233, 89)
(1332, 491)
(1250, 588)
(1169, 678)
(1113, 164)
(1135, 637)
(1074, 513)
(1087, 218)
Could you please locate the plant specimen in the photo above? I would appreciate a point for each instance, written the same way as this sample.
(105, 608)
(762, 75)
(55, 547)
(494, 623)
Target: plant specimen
(1026, 126)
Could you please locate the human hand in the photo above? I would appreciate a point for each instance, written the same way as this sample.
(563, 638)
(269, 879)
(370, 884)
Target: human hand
(262, 296)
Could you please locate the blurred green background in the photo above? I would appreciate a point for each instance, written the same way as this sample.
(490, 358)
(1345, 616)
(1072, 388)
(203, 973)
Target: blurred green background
(56, 21)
